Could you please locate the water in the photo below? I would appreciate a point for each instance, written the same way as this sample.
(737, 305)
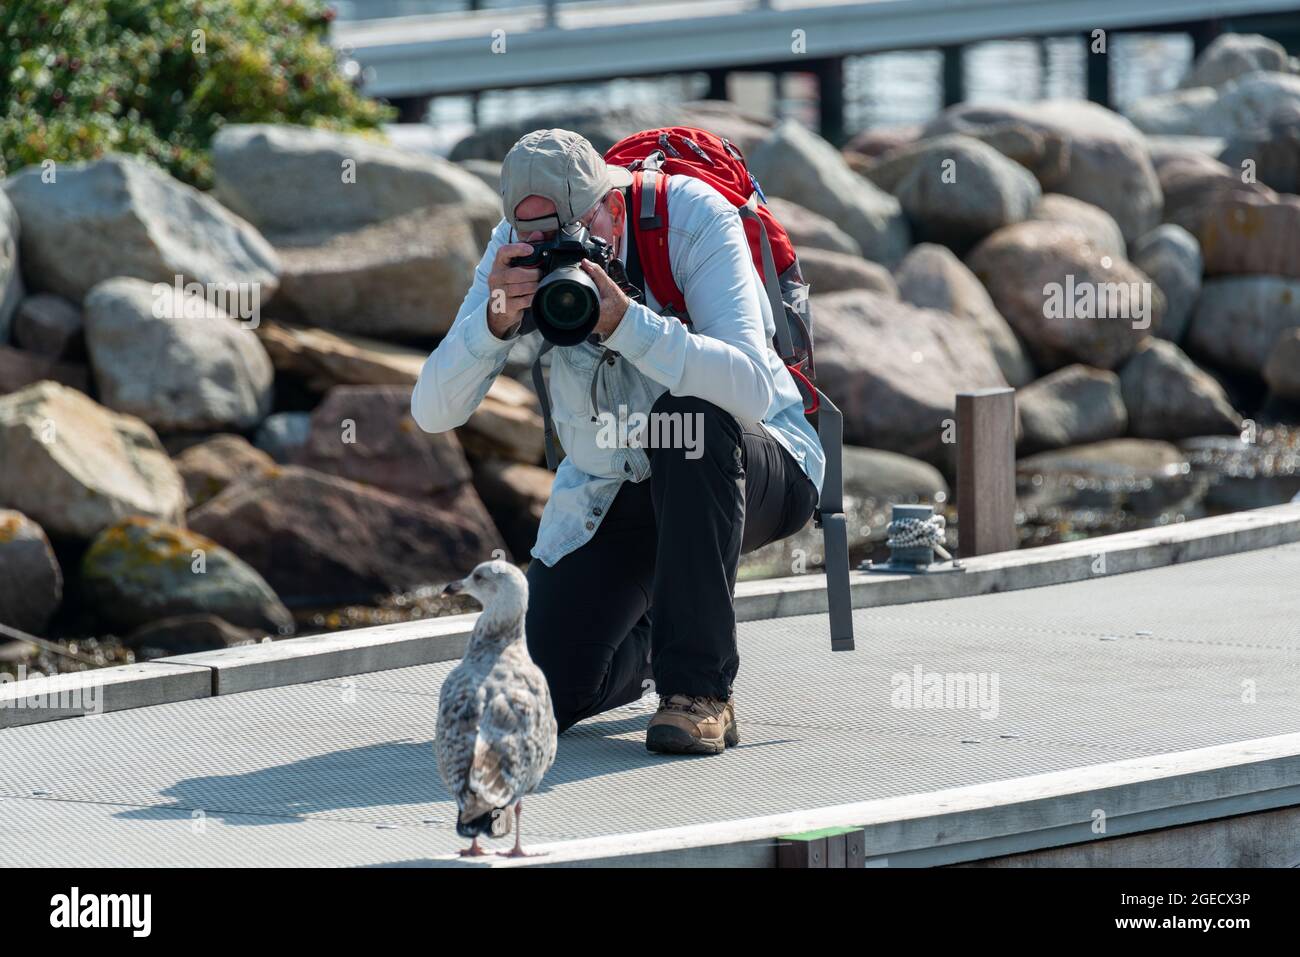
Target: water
(884, 89)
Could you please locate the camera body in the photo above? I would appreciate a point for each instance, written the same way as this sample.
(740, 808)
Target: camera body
(566, 305)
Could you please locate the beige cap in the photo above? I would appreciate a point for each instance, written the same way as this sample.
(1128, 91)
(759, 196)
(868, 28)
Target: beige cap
(561, 166)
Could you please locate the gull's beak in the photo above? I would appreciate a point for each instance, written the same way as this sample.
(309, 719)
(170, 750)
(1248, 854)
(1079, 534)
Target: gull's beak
(454, 588)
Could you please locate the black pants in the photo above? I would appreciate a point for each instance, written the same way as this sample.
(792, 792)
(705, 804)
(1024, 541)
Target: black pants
(650, 596)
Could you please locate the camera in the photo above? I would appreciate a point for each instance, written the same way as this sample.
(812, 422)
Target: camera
(566, 305)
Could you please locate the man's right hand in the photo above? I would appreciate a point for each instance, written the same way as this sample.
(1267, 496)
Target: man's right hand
(510, 289)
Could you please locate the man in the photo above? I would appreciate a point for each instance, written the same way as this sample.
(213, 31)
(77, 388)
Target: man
(639, 543)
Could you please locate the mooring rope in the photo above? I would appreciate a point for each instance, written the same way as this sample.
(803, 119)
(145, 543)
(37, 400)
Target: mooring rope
(913, 532)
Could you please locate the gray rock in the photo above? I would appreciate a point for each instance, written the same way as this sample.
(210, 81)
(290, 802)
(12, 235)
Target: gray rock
(1144, 477)
(1108, 161)
(827, 271)
(137, 571)
(75, 467)
(176, 361)
(1232, 55)
(933, 278)
(19, 369)
(1238, 320)
(207, 467)
(489, 171)
(894, 370)
(604, 126)
(1251, 233)
(402, 278)
(1171, 256)
(1072, 406)
(1273, 153)
(1168, 397)
(285, 179)
(122, 216)
(187, 634)
(48, 325)
(11, 281)
(880, 140)
(366, 434)
(1099, 225)
(1067, 300)
(800, 166)
(282, 434)
(809, 231)
(31, 582)
(956, 189)
(1237, 108)
(1282, 371)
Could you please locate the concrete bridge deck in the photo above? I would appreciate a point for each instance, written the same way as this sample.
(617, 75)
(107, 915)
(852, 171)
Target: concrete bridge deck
(1157, 698)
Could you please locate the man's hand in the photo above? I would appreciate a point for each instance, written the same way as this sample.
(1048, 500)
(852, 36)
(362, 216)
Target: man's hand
(613, 301)
(510, 289)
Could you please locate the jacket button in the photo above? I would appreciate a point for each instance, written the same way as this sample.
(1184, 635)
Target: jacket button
(627, 467)
(591, 525)
(596, 510)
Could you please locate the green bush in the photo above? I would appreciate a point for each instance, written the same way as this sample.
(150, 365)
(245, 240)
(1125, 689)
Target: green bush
(81, 78)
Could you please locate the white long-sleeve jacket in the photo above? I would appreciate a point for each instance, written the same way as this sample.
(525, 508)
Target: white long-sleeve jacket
(724, 357)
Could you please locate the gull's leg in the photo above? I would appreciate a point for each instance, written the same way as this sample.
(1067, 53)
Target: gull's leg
(473, 850)
(517, 851)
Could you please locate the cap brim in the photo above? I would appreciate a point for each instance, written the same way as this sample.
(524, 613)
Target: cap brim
(619, 176)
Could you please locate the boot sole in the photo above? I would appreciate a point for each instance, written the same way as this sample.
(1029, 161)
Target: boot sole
(666, 739)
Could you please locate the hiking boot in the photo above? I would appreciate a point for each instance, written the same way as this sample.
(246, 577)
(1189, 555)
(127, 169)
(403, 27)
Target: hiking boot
(692, 724)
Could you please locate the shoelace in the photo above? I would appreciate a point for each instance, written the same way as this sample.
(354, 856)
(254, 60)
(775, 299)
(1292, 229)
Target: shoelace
(691, 704)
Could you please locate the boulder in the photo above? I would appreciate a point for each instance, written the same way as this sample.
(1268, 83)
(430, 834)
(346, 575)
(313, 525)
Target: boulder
(1168, 397)
(489, 171)
(1108, 163)
(1191, 184)
(809, 231)
(19, 369)
(515, 496)
(1171, 256)
(1251, 233)
(289, 527)
(933, 278)
(1272, 153)
(882, 139)
(1068, 301)
(956, 190)
(1238, 320)
(894, 370)
(1071, 406)
(48, 325)
(123, 216)
(175, 360)
(11, 280)
(1238, 108)
(207, 467)
(405, 277)
(506, 424)
(286, 179)
(827, 271)
(1099, 225)
(1143, 477)
(281, 435)
(1233, 54)
(1282, 370)
(138, 570)
(366, 434)
(75, 467)
(188, 634)
(800, 166)
(604, 126)
(31, 582)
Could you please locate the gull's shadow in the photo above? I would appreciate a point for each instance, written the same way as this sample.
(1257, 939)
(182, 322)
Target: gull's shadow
(397, 774)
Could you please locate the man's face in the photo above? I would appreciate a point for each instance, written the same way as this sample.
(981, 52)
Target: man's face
(605, 220)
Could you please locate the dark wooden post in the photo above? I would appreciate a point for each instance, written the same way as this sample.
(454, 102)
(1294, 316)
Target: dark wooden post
(1098, 71)
(954, 75)
(830, 99)
(986, 471)
(717, 84)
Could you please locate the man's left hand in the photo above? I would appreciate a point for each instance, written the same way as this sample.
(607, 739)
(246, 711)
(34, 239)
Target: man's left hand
(613, 301)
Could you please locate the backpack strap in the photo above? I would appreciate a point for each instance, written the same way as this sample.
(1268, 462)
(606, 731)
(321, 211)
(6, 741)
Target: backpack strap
(784, 343)
(544, 397)
(650, 202)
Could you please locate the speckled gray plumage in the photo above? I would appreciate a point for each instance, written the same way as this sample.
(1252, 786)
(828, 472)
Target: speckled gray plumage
(496, 736)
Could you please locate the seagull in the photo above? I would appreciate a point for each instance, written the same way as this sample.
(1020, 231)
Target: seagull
(496, 726)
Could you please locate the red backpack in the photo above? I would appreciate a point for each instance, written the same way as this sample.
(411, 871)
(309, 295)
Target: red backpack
(654, 156)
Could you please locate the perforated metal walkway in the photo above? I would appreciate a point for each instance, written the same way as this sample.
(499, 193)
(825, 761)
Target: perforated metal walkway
(341, 772)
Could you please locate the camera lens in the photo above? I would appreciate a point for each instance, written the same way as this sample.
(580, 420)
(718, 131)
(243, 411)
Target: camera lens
(566, 306)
